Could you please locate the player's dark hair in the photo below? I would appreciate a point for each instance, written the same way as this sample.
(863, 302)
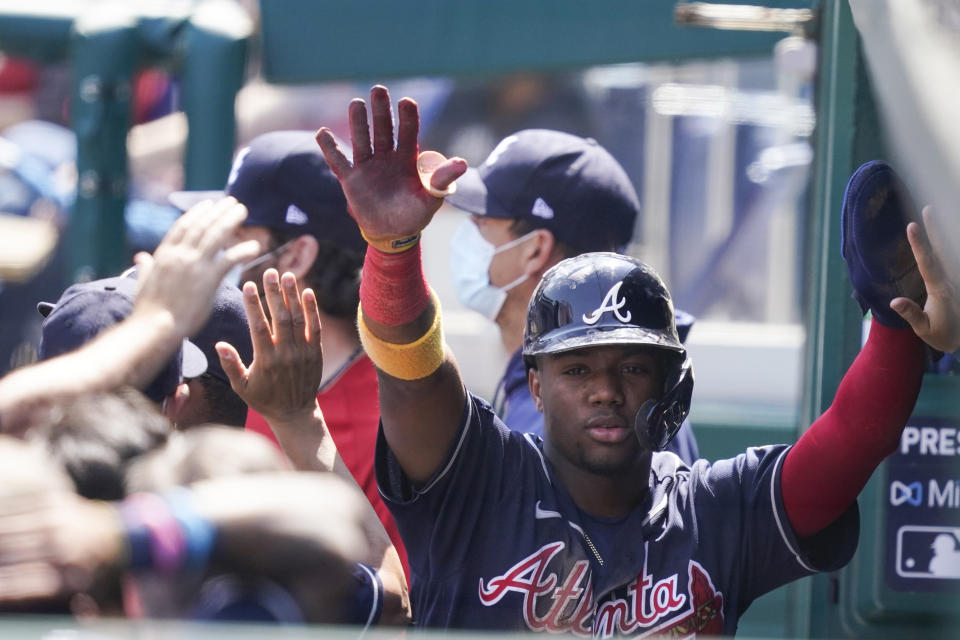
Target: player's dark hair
(334, 276)
(223, 404)
(94, 438)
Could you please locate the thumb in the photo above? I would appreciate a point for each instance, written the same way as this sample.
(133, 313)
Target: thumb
(912, 313)
(438, 173)
(144, 262)
(232, 366)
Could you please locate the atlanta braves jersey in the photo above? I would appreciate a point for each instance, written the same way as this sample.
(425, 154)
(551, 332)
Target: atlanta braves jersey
(495, 542)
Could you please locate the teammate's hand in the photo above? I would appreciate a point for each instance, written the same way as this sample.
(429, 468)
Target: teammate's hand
(181, 276)
(281, 383)
(53, 543)
(389, 196)
(938, 322)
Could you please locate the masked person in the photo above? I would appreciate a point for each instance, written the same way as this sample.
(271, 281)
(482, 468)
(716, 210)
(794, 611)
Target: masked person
(540, 196)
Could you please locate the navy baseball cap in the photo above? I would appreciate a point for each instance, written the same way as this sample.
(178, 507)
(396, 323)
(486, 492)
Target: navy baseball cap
(284, 181)
(566, 184)
(227, 323)
(87, 308)
(873, 241)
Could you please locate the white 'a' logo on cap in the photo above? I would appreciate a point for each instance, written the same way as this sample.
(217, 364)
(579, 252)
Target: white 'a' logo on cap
(296, 215)
(541, 209)
(610, 303)
(237, 163)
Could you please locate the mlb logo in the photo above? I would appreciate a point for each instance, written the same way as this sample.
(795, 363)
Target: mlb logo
(928, 552)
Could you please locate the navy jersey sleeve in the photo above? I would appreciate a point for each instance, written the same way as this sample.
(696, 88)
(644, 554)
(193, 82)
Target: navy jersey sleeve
(743, 524)
(520, 413)
(438, 521)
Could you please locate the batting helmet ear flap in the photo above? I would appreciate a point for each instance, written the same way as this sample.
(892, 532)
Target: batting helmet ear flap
(658, 421)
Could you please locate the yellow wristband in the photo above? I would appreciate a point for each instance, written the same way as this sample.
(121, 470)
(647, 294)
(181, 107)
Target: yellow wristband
(392, 245)
(410, 361)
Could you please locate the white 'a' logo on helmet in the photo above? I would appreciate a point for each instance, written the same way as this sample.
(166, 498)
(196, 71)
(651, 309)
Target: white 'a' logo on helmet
(610, 303)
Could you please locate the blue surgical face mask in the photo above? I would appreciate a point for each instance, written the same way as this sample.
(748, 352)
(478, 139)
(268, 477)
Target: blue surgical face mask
(470, 258)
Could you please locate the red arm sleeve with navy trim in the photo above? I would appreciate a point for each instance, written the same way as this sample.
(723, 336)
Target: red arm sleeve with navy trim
(830, 464)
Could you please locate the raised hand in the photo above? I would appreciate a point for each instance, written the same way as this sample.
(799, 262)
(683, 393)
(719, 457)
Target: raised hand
(183, 273)
(281, 383)
(392, 190)
(938, 322)
(176, 288)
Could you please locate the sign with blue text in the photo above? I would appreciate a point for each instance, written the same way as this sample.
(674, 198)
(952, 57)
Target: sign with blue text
(923, 509)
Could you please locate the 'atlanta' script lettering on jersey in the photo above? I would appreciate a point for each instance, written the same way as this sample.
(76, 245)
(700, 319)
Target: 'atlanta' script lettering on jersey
(645, 605)
(610, 303)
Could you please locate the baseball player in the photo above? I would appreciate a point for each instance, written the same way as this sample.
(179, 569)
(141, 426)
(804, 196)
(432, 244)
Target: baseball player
(540, 196)
(592, 530)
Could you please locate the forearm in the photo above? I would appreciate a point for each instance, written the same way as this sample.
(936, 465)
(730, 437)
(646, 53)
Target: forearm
(396, 594)
(131, 353)
(828, 467)
(379, 546)
(306, 441)
(401, 332)
(394, 295)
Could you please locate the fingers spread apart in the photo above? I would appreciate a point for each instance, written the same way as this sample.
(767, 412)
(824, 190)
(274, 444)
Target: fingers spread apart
(382, 119)
(336, 160)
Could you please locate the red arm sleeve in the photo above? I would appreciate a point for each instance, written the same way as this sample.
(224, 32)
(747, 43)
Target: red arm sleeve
(393, 289)
(829, 465)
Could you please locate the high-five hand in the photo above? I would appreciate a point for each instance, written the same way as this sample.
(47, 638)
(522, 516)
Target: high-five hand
(938, 322)
(185, 269)
(389, 195)
(281, 382)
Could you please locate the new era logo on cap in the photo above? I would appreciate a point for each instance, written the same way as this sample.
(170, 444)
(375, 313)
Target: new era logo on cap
(541, 209)
(296, 215)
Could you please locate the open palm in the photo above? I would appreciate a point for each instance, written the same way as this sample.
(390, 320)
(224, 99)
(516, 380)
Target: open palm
(389, 196)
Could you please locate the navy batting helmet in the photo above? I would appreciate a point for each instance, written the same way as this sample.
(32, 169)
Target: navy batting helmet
(607, 299)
